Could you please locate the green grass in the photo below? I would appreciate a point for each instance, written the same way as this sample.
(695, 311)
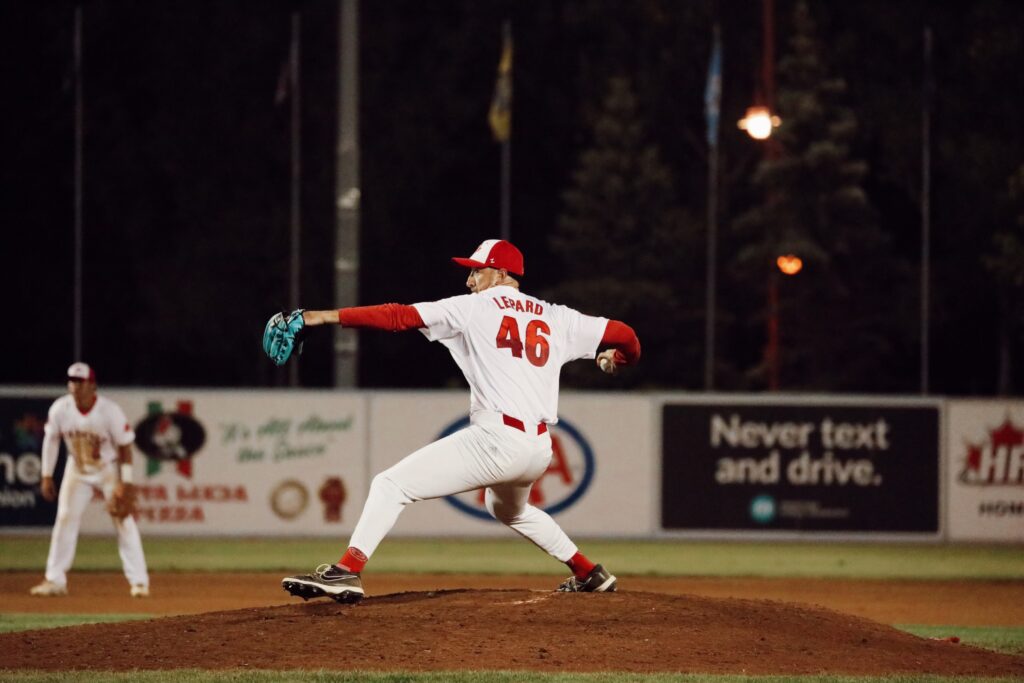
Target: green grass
(515, 556)
(460, 677)
(17, 621)
(1008, 639)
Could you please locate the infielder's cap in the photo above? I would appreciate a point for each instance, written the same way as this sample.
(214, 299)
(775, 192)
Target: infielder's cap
(495, 254)
(81, 371)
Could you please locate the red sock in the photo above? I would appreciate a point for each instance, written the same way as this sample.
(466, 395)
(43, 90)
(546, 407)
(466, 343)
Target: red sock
(353, 560)
(580, 565)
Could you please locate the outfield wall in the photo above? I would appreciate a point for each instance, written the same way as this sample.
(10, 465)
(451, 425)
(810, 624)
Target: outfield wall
(985, 470)
(282, 462)
(790, 466)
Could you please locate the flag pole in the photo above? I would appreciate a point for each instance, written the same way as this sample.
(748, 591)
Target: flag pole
(712, 275)
(506, 188)
(712, 100)
(79, 164)
(926, 177)
(295, 221)
(499, 116)
(506, 146)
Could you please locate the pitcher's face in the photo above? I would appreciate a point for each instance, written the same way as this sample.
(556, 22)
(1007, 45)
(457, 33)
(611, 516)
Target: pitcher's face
(483, 278)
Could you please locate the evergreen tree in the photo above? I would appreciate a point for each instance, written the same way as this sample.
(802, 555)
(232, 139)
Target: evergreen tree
(834, 316)
(628, 250)
(1006, 264)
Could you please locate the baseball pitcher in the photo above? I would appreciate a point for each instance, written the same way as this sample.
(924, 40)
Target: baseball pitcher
(511, 348)
(99, 443)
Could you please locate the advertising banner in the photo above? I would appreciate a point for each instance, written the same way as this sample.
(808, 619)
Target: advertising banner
(21, 438)
(244, 463)
(264, 462)
(985, 470)
(801, 467)
(602, 473)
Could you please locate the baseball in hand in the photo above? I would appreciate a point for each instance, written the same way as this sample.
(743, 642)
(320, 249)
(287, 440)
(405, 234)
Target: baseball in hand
(607, 365)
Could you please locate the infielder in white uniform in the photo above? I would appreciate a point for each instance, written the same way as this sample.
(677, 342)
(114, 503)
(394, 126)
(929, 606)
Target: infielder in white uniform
(511, 347)
(99, 444)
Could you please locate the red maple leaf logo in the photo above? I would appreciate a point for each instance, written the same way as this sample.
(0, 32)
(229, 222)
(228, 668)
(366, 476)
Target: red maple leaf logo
(1006, 435)
(1000, 461)
(973, 457)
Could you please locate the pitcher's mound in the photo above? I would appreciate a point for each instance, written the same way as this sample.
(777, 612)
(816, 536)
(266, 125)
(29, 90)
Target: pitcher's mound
(509, 629)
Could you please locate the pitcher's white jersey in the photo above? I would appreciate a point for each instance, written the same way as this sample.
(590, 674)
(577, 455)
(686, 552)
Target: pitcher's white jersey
(511, 347)
(91, 438)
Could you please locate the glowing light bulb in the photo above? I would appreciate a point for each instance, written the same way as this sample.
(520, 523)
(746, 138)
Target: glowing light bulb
(759, 122)
(790, 264)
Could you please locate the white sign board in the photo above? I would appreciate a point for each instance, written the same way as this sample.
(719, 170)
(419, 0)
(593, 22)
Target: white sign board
(244, 463)
(602, 479)
(985, 470)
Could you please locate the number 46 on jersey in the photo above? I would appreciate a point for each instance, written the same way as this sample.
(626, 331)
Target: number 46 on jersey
(536, 347)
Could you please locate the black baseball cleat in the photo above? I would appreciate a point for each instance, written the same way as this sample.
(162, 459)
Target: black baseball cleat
(328, 581)
(599, 580)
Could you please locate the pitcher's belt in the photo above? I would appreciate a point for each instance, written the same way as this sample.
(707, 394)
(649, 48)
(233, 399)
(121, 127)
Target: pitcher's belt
(518, 424)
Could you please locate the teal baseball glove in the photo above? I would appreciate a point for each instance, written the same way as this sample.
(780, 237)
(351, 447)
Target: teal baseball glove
(282, 336)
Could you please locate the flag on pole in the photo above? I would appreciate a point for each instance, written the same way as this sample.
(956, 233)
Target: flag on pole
(713, 89)
(500, 113)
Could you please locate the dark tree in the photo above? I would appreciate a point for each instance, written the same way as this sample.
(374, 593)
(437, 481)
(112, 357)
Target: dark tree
(836, 315)
(627, 249)
(1005, 262)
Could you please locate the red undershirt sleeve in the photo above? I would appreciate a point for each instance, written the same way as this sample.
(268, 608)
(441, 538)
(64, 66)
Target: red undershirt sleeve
(390, 317)
(623, 339)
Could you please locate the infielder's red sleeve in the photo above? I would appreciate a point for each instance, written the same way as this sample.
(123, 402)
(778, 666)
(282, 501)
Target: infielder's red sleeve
(623, 339)
(390, 317)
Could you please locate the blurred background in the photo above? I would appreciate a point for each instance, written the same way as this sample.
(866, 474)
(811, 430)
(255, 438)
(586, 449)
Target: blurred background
(167, 164)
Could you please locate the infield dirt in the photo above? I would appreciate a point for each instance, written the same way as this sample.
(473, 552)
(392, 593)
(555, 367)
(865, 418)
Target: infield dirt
(523, 628)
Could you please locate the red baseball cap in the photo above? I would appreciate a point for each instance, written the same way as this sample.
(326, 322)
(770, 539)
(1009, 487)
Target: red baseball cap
(81, 371)
(494, 254)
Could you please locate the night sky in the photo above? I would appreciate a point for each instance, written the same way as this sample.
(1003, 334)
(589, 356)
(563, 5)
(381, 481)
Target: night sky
(186, 174)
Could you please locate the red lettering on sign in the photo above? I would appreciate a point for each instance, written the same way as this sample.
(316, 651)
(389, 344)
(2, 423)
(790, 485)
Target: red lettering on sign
(150, 493)
(172, 514)
(213, 493)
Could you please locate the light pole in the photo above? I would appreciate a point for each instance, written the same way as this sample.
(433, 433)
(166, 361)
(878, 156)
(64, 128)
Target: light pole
(759, 123)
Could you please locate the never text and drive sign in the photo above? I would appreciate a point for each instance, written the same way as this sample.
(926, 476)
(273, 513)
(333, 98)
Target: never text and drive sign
(801, 467)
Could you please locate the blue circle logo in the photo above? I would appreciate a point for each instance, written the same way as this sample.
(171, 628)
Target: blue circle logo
(566, 480)
(762, 509)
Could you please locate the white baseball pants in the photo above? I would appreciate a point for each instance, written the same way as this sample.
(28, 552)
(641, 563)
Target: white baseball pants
(488, 454)
(75, 493)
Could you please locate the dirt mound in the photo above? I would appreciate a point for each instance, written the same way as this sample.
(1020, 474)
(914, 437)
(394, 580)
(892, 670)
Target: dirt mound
(508, 629)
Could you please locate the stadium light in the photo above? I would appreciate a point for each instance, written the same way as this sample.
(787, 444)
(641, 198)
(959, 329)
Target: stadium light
(789, 264)
(759, 122)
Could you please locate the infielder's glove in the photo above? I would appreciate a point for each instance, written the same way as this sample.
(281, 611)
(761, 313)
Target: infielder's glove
(122, 503)
(282, 336)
